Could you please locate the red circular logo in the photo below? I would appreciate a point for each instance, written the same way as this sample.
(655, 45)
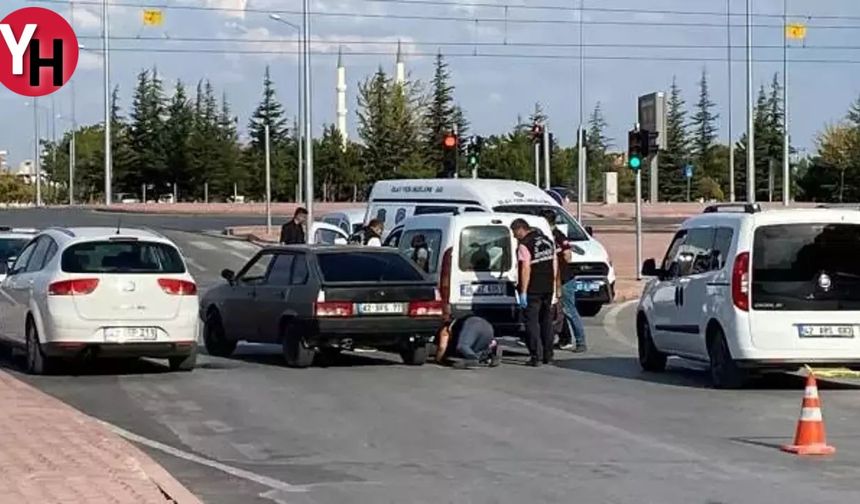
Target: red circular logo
(38, 51)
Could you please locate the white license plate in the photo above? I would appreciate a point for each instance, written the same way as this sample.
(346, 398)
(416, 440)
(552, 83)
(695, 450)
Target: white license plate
(381, 308)
(587, 286)
(827, 331)
(124, 334)
(476, 290)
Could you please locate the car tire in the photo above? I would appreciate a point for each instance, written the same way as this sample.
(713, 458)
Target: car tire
(296, 352)
(37, 362)
(589, 309)
(725, 373)
(184, 363)
(415, 355)
(215, 338)
(650, 358)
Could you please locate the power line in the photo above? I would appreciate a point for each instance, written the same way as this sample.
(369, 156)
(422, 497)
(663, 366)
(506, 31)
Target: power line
(471, 55)
(440, 18)
(441, 43)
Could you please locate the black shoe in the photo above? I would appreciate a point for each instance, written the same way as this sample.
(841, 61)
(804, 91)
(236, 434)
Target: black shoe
(580, 349)
(533, 362)
(495, 356)
(466, 364)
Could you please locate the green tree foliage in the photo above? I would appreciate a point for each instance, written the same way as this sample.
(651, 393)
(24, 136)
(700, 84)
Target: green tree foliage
(147, 136)
(673, 184)
(703, 129)
(597, 146)
(441, 113)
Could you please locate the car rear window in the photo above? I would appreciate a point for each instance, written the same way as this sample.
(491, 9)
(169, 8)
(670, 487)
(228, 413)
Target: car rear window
(11, 247)
(485, 249)
(806, 267)
(122, 257)
(367, 267)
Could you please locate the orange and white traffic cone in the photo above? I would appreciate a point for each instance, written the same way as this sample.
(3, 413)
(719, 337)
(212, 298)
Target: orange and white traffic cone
(810, 438)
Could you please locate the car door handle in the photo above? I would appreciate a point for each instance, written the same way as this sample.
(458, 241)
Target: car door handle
(681, 295)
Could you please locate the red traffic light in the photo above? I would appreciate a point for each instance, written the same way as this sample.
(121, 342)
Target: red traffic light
(449, 142)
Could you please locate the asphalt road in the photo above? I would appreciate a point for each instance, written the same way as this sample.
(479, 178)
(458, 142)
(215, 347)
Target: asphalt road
(593, 428)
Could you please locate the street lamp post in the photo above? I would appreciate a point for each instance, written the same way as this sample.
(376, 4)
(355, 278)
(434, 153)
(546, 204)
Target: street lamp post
(750, 115)
(309, 146)
(300, 108)
(37, 165)
(108, 156)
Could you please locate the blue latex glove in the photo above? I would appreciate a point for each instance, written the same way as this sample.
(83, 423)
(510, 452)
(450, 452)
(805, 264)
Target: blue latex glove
(522, 300)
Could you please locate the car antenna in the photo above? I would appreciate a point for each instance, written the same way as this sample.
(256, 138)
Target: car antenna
(118, 224)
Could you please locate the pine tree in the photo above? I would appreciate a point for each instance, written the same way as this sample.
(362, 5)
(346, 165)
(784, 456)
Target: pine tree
(673, 183)
(406, 129)
(269, 112)
(147, 135)
(441, 115)
(596, 145)
(373, 125)
(703, 130)
(178, 129)
(227, 171)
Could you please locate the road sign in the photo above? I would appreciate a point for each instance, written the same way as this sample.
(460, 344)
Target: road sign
(153, 17)
(688, 171)
(795, 31)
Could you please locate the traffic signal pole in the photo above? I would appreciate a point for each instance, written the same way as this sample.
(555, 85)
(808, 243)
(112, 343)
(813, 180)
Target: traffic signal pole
(546, 152)
(638, 264)
(537, 164)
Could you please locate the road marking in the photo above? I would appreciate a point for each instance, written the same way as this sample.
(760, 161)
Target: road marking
(611, 323)
(241, 245)
(241, 256)
(190, 457)
(194, 264)
(204, 245)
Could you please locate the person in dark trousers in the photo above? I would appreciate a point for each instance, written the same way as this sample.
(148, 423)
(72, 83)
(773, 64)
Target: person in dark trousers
(471, 339)
(574, 338)
(293, 232)
(536, 289)
(370, 235)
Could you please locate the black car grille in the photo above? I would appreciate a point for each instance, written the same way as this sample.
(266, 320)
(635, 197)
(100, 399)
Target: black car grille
(590, 269)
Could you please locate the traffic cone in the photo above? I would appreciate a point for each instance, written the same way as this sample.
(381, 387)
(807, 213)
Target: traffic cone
(810, 438)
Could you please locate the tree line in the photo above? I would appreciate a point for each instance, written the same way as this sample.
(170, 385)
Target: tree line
(173, 136)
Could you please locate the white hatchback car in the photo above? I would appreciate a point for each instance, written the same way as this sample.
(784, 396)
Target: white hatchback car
(100, 292)
(752, 290)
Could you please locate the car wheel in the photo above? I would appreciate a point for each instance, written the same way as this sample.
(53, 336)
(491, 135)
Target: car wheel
(650, 358)
(184, 362)
(215, 338)
(589, 309)
(414, 355)
(725, 373)
(296, 352)
(37, 362)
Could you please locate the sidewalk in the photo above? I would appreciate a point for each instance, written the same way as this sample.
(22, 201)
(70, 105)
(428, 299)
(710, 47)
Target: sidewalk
(54, 454)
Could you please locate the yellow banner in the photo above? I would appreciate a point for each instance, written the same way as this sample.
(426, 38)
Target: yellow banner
(795, 31)
(153, 17)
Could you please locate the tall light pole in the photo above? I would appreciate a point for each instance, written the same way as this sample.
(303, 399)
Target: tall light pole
(108, 156)
(731, 84)
(786, 168)
(309, 146)
(37, 164)
(581, 166)
(300, 108)
(750, 114)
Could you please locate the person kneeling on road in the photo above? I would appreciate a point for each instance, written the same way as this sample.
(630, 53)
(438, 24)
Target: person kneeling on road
(471, 339)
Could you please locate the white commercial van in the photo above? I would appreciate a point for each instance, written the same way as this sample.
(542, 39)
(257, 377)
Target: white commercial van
(393, 201)
(473, 257)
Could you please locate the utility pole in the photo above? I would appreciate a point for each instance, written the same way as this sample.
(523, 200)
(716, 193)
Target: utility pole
(581, 166)
(731, 83)
(309, 148)
(72, 147)
(37, 154)
(786, 168)
(268, 184)
(537, 163)
(546, 160)
(108, 156)
(750, 114)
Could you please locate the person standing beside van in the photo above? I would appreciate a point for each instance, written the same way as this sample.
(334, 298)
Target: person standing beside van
(293, 232)
(370, 236)
(566, 286)
(538, 267)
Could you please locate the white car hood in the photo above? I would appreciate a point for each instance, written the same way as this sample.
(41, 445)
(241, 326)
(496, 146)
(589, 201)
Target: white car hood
(594, 252)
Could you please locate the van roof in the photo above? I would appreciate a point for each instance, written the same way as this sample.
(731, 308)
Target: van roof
(474, 219)
(778, 216)
(486, 193)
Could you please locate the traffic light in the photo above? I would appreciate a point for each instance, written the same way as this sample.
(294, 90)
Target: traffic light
(476, 145)
(450, 144)
(649, 143)
(635, 151)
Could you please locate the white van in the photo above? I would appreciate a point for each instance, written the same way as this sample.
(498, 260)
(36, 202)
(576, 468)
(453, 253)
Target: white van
(351, 221)
(394, 201)
(473, 258)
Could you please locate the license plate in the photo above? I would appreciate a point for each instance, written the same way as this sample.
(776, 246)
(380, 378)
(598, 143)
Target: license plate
(123, 334)
(827, 331)
(476, 290)
(381, 308)
(582, 286)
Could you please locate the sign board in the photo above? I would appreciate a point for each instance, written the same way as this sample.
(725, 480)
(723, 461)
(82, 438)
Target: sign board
(795, 31)
(652, 115)
(153, 17)
(688, 171)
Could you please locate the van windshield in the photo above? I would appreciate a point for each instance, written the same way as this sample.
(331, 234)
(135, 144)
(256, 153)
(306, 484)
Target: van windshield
(562, 218)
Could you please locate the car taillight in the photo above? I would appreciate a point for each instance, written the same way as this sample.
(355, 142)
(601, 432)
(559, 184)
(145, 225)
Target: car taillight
(76, 287)
(445, 276)
(176, 287)
(425, 309)
(741, 281)
(332, 309)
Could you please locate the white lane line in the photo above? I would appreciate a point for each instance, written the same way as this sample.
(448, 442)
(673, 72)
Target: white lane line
(196, 265)
(204, 245)
(227, 469)
(241, 245)
(241, 256)
(611, 323)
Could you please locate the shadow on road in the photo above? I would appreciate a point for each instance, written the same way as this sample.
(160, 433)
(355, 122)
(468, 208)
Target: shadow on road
(271, 355)
(681, 373)
(96, 367)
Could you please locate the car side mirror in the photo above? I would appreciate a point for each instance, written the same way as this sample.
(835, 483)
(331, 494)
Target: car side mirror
(7, 267)
(649, 268)
(589, 230)
(229, 275)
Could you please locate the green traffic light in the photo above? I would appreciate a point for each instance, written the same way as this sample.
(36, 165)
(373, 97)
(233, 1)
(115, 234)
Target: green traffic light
(473, 160)
(635, 162)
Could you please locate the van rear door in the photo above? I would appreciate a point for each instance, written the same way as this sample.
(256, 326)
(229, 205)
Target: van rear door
(484, 271)
(806, 289)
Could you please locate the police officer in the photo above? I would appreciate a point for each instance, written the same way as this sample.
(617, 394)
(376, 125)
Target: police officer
(370, 235)
(538, 267)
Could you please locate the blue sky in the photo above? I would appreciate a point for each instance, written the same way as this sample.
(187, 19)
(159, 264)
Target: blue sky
(492, 90)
